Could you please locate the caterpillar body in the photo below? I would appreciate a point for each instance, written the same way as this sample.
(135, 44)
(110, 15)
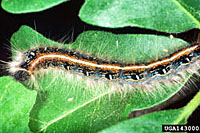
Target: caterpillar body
(70, 60)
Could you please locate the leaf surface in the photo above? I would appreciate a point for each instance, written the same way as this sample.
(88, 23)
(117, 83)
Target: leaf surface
(167, 16)
(26, 6)
(153, 122)
(16, 102)
(149, 123)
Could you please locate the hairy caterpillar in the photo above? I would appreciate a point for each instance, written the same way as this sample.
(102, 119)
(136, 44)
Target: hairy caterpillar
(44, 57)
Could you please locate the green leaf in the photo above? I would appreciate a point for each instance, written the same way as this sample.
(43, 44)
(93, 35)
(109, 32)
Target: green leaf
(168, 16)
(149, 123)
(153, 122)
(26, 6)
(16, 101)
(74, 103)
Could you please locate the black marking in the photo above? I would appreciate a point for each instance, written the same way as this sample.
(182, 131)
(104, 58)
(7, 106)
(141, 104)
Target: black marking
(86, 72)
(21, 75)
(109, 76)
(52, 49)
(99, 61)
(25, 66)
(85, 56)
(67, 51)
(62, 51)
(72, 53)
(185, 59)
(41, 50)
(137, 76)
(67, 66)
(26, 53)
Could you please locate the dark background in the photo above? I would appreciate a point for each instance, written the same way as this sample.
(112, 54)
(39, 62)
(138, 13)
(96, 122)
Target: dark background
(61, 23)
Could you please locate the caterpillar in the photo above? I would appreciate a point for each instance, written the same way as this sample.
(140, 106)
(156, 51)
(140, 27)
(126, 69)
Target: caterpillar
(53, 70)
(71, 60)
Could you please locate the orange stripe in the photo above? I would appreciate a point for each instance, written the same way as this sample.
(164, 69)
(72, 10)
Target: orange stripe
(103, 66)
